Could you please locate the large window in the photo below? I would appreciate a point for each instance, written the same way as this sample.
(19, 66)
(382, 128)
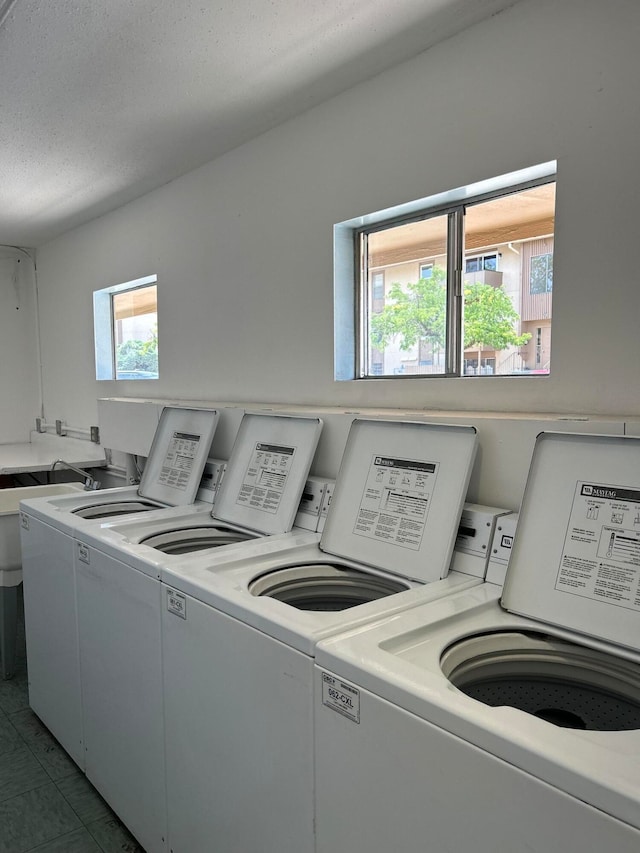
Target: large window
(126, 330)
(467, 283)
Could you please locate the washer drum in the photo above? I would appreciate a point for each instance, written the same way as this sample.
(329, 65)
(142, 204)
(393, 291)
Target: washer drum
(561, 682)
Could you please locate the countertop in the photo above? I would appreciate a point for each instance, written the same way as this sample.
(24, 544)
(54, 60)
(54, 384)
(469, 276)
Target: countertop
(43, 450)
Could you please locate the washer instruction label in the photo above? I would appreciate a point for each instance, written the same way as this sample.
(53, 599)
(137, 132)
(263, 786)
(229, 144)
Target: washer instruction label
(395, 502)
(176, 603)
(601, 555)
(179, 460)
(341, 697)
(266, 477)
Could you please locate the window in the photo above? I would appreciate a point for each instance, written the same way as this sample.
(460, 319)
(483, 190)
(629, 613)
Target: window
(468, 311)
(541, 274)
(377, 286)
(126, 330)
(481, 262)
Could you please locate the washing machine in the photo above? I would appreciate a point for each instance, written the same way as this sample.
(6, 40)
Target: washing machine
(171, 478)
(263, 493)
(501, 718)
(119, 622)
(238, 638)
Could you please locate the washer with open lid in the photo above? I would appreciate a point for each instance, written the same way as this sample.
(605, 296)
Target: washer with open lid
(393, 520)
(526, 696)
(179, 451)
(248, 628)
(257, 499)
(575, 566)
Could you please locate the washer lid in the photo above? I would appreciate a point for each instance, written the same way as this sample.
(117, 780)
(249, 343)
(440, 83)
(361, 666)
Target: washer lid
(399, 496)
(266, 472)
(576, 554)
(178, 454)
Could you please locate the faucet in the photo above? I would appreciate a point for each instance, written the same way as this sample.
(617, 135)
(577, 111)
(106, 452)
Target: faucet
(90, 483)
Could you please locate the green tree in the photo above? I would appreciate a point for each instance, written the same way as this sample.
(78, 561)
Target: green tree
(138, 355)
(417, 314)
(489, 318)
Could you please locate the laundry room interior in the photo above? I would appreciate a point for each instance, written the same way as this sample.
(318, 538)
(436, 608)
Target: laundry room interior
(237, 182)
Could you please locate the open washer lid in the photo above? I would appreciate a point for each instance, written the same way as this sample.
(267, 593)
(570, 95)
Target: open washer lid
(266, 472)
(576, 554)
(399, 496)
(178, 454)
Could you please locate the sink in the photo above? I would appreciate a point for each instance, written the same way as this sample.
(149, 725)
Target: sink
(10, 559)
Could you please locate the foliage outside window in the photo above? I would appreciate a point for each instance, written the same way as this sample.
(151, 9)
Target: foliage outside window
(135, 331)
(126, 330)
(436, 321)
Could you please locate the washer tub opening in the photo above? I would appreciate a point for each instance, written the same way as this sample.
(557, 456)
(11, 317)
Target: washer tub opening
(189, 540)
(563, 683)
(327, 587)
(108, 510)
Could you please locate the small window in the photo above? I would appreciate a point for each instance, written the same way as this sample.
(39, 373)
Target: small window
(126, 330)
(426, 270)
(468, 310)
(481, 262)
(377, 285)
(541, 274)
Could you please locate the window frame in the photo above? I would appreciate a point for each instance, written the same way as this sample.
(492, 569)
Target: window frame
(104, 329)
(353, 365)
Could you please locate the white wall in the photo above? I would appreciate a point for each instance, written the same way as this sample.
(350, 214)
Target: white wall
(243, 246)
(18, 346)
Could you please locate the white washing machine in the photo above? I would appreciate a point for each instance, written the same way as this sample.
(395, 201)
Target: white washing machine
(170, 480)
(501, 719)
(263, 493)
(118, 600)
(11, 564)
(238, 638)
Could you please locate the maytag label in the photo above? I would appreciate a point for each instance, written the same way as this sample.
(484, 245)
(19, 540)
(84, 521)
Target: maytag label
(83, 553)
(341, 697)
(176, 603)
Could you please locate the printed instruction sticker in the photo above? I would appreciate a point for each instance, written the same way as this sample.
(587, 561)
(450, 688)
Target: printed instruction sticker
(395, 502)
(266, 477)
(179, 460)
(341, 697)
(601, 555)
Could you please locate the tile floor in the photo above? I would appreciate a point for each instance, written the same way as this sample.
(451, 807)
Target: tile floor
(46, 804)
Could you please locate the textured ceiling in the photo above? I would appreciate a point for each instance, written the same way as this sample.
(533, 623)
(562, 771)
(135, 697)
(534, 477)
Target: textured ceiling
(104, 100)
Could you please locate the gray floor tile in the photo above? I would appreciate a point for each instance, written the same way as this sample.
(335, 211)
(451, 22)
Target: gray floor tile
(113, 837)
(9, 737)
(20, 771)
(43, 745)
(33, 818)
(83, 798)
(14, 693)
(75, 842)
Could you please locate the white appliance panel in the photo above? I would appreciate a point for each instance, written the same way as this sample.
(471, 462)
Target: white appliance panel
(394, 781)
(51, 625)
(267, 471)
(576, 557)
(398, 496)
(121, 667)
(239, 717)
(180, 448)
(401, 660)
